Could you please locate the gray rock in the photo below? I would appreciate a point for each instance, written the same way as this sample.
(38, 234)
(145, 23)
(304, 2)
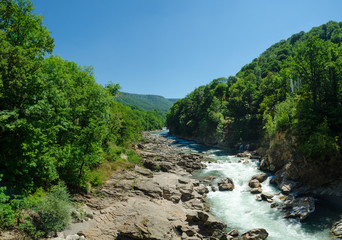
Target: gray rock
(72, 237)
(255, 234)
(337, 229)
(258, 197)
(143, 171)
(201, 189)
(260, 177)
(183, 180)
(226, 184)
(256, 190)
(172, 194)
(149, 188)
(165, 166)
(266, 196)
(300, 207)
(207, 224)
(233, 233)
(254, 183)
(186, 194)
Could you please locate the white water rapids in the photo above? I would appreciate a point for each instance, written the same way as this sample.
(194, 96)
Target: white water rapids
(240, 210)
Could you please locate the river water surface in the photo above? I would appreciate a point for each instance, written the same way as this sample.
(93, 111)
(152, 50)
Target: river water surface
(240, 210)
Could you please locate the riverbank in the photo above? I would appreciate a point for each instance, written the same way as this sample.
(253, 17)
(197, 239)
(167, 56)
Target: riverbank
(159, 200)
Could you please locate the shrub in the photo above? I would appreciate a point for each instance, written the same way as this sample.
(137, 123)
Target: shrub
(54, 210)
(43, 212)
(7, 216)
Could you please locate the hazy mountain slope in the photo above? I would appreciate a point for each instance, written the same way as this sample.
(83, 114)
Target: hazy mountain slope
(146, 102)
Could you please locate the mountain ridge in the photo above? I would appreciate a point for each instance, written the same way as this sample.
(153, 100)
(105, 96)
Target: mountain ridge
(146, 102)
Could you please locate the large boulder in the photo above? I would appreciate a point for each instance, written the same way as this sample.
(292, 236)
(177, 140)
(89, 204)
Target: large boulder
(300, 207)
(207, 224)
(284, 183)
(254, 183)
(260, 177)
(255, 234)
(226, 184)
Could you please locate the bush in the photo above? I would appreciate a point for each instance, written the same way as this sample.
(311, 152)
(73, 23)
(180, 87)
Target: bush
(43, 212)
(7, 216)
(54, 211)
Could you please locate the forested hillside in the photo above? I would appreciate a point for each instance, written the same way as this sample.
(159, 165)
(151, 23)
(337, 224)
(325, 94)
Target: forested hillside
(146, 102)
(291, 93)
(58, 127)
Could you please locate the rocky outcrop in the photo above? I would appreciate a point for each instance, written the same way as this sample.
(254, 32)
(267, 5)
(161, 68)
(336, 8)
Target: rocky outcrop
(160, 201)
(207, 224)
(299, 207)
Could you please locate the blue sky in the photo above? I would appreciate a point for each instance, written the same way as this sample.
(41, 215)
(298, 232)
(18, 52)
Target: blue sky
(170, 47)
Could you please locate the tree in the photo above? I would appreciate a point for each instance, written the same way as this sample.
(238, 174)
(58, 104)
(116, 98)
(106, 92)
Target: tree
(24, 41)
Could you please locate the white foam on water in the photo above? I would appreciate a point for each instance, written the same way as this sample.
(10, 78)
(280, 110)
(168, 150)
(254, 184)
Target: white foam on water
(240, 210)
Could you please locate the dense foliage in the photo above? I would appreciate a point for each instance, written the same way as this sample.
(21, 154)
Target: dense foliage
(56, 123)
(295, 87)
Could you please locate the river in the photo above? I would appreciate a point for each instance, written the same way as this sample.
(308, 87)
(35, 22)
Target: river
(240, 210)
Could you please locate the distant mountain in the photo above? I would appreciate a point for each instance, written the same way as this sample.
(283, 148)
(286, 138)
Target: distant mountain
(146, 102)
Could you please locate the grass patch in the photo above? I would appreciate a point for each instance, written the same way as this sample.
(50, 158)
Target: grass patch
(99, 175)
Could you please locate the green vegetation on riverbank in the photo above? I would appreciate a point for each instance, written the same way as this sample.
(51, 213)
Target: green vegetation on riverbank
(58, 127)
(294, 87)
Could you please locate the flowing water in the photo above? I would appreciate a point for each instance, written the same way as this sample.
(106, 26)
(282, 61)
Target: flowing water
(240, 210)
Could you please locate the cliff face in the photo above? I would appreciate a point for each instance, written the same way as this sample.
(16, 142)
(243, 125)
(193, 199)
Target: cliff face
(294, 173)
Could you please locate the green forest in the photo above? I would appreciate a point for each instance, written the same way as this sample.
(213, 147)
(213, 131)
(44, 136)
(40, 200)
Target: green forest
(60, 131)
(146, 102)
(294, 89)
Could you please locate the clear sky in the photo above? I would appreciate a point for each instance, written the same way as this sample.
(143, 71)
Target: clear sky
(170, 47)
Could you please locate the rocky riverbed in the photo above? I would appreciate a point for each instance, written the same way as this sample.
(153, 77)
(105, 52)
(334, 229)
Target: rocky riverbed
(159, 200)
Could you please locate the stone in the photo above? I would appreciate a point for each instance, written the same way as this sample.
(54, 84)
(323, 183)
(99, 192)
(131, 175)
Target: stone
(300, 207)
(255, 234)
(233, 233)
(254, 183)
(207, 224)
(72, 237)
(337, 229)
(266, 196)
(258, 197)
(183, 180)
(165, 166)
(260, 177)
(143, 171)
(186, 194)
(255, 190)
(245, 154)
(274, 205)
(149, 188)
(226, 184)
(201, 189)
